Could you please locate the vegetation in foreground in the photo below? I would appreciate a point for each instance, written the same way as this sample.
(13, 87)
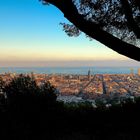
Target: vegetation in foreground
(28, 111)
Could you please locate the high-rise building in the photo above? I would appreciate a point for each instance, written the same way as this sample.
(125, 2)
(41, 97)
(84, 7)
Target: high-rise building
(89, 74)
(139, 71)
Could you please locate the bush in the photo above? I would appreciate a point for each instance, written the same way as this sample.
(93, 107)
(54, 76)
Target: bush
(24, 94)
(2, 84)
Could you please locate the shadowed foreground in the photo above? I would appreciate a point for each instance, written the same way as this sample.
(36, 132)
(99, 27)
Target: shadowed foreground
(71, 124)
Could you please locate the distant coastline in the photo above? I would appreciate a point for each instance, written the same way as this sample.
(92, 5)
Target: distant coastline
(70, 70)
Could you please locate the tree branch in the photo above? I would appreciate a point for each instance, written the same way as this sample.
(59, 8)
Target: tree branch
(93, 30)
(129, 16)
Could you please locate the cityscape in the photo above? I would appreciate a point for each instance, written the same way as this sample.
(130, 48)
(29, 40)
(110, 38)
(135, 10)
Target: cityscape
(78, 88)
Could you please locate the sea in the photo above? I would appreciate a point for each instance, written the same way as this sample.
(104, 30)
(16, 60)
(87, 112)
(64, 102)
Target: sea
(70, 70)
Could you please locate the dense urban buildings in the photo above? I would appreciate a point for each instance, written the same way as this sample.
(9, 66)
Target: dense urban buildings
(82, 87)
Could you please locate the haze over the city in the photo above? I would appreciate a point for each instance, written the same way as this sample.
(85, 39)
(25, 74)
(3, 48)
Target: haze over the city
(31, 36)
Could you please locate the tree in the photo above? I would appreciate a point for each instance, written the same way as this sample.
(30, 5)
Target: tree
(48, 94)
(2, 84)
(24, 94)
(114, 23)
(21, 86)
(2, 95)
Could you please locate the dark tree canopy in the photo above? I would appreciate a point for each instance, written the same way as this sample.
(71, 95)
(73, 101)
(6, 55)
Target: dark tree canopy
(23, 93)
(114, 23)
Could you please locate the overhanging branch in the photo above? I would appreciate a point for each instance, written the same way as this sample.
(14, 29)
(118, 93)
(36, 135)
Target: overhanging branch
(93, 30)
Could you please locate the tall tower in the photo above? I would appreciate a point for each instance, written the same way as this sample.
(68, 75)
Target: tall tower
(89, 74)
(139, 71)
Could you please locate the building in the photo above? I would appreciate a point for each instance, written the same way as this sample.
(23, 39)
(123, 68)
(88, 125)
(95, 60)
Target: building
(89, 74)
(139, 71)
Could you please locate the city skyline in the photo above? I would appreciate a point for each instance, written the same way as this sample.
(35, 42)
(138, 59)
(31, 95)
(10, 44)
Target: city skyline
(31, 36)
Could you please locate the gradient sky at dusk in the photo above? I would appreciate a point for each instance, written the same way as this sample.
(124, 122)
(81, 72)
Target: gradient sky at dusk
(30, 34)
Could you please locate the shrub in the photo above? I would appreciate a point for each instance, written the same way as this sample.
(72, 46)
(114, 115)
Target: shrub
(24, 94)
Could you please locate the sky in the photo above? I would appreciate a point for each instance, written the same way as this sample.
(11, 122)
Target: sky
(31, 35)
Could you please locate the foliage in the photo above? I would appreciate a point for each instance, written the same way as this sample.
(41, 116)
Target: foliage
(78, 106)
(23, 93)
(109, 15)
(48, 91)
(2, 84)
(2, 96)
